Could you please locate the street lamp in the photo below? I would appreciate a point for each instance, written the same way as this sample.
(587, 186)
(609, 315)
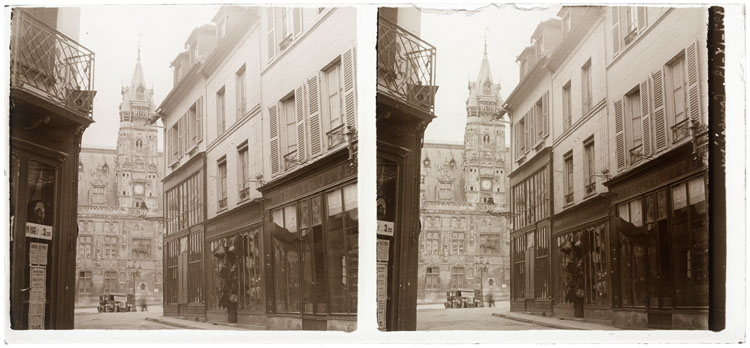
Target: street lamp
(482, 267)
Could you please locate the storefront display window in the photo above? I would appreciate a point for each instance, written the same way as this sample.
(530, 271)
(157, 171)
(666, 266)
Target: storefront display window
(663, 248)
(286, 259)
(343, 248)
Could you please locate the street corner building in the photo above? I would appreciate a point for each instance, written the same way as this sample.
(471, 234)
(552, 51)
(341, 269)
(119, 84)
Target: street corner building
(119, 247)
(464, 242)
(609, 168)
(51, 99)
(404, 107)
(260, 188)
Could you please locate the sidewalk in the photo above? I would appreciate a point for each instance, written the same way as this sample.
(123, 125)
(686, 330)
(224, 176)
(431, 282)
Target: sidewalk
(201, 325)
(555, 322)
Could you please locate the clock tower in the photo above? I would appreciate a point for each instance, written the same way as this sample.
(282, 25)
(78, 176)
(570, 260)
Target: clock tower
(485, 153)
(138, 183)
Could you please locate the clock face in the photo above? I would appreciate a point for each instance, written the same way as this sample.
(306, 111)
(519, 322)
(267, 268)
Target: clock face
(486, 184)
(138, 189)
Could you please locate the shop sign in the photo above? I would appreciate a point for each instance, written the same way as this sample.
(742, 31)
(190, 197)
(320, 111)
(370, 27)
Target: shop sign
(385, 228)
(38, 231)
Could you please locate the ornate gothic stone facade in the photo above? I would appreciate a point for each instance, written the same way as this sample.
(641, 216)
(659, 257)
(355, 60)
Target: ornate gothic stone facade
(119, 207)
(464, 238)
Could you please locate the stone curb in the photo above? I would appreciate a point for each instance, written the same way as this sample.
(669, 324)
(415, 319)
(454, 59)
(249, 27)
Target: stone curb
(175, 324)
(537, 322)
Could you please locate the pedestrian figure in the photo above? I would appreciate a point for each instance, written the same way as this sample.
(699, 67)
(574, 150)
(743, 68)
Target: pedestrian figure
(144, 307)
(491, 300)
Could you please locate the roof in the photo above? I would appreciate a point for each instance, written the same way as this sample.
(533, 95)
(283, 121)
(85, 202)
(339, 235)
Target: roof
(205, 28)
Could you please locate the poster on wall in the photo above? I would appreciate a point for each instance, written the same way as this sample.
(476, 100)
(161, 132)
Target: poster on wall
(382, 293)
(38, 231)
(37, 285)
(38, 253)
(383, 249)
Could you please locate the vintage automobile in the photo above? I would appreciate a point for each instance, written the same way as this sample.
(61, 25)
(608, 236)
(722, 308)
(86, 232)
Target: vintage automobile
(463, 298)
(113, 302)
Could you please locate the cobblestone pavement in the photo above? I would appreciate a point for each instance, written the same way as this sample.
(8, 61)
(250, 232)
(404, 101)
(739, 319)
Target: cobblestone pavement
(433, 317)
(88, 318)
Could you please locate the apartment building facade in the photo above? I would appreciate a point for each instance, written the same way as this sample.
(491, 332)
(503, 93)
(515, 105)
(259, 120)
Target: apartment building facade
(657, 94)
(310, 246)
(182, 114)
(51, 104)
(528, 107)
(580, 271)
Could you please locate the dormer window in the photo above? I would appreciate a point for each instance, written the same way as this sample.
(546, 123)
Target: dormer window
(539, 42)
(566, 23)
(221, 29)
(194, 51)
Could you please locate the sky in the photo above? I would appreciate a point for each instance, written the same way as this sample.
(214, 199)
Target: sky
(459, 38)
(113, 33)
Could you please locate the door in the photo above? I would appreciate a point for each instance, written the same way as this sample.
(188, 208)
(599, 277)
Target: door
(529, 266)
(182, 278)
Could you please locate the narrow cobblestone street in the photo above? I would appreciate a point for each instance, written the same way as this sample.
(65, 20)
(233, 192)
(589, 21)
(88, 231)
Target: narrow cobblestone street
(88, 318)
(435, 317)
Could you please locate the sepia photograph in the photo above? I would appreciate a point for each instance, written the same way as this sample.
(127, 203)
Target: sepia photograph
(196, 176)
(563, 169)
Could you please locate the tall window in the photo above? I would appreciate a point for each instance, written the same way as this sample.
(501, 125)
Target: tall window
(446, 190)
(85, 283)
(221, 188)
(334, 92)
(343, 251)
(630, 19)
(220, 113)
(195, 267)
(110, 281)
(85, 247)
(457, 277)
(290, 122)
(432, 278)
(98, 194)
(286, 259)
(677, 86)
(241, 92)
(432, 243)
(110, 247)
(192, 123)
(586, 87)
(567, 117)
(457, 243)
(286, 22)
(243, 178)
(589, 166)
(174, 142)
(568, 177)
(633, 102)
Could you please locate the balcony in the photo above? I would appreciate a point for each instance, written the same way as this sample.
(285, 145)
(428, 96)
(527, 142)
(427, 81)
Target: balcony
(406, 66)
(51, 66)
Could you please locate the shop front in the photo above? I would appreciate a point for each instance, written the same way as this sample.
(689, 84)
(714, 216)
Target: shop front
(311, 246)
(580, 261)
(530, 241)
(184, 213)
(660, 243)
(234, 266)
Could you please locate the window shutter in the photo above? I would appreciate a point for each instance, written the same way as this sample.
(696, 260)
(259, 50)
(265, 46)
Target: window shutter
(297, 21)
(545, 113)
(273, 119)
(615, 30)
(299, 106)
(694, 98)
(199, 120)
(270, 32)
(180, 131)
(350, 97)
(645, 119)
(619, 134)
(313, 114)
(526, 125)
(660, 118)
(641, 10)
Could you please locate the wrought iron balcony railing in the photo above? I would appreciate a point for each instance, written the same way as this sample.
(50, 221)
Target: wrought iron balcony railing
(406, 66)
(50, 65)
